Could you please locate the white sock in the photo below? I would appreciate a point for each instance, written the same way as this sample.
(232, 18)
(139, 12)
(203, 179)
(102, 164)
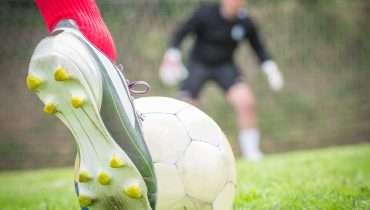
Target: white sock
(250, 143)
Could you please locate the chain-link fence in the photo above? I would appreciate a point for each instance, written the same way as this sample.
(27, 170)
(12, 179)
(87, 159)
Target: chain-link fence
(322, 48)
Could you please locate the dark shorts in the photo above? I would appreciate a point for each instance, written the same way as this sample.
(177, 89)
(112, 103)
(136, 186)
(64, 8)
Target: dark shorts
(225, 75)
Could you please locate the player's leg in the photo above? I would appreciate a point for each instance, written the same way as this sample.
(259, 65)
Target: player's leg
(241, 98)
(192, 85)
(87, 17)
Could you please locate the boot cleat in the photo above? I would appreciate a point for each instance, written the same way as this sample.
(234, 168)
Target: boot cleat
(84, 201)
(133, 191)
(103, 178)
(76, 101)
(60, 74)
(33, 82)
(50, 108)
(83, 177)
(116, 162)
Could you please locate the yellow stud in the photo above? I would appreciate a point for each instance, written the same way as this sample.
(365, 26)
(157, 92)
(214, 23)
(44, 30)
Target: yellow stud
(50, 108)
(116, 162)
(83, 177)
(76, 102)
(60, 74)
(103, 178)
(33, 82)
(84, 201)
(133, 191)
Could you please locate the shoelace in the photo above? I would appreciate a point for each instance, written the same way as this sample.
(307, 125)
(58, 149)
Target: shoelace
(132, 85)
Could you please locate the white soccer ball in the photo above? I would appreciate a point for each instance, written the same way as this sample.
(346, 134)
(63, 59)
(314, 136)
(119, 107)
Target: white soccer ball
(193, 160)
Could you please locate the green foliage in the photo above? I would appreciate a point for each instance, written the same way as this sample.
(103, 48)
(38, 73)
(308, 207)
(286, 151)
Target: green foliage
(334, 178)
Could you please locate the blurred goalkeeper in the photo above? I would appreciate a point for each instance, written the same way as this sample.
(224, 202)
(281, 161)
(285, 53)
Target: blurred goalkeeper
(218, 30)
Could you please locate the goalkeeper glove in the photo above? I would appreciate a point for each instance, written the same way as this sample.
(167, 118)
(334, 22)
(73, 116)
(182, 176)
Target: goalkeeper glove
(172, 69)
(274, 76)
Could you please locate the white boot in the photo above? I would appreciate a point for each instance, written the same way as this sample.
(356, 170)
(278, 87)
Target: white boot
(90, 94)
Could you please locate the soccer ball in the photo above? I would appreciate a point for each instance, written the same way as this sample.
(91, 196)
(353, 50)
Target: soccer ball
(193, 160)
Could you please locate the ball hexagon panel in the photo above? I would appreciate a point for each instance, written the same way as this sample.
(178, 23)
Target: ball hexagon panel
(170, 188)
(165, 136)
(203, 171)
(226, 198)
(199, 125)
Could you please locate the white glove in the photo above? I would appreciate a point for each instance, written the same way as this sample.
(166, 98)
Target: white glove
(172, 69)
(274, 76)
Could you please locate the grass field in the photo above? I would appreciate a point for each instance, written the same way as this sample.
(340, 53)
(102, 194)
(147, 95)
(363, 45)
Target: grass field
(333, 178)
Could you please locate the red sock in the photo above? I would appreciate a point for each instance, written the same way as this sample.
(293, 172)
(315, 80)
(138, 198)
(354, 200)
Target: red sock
(87, 17)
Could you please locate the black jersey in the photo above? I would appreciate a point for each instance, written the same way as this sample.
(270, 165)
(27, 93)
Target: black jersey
(218, 37)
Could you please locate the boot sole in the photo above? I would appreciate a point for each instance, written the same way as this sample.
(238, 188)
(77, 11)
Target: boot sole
(107, 178)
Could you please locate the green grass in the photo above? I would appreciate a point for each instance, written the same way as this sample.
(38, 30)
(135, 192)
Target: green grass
(334, 178)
